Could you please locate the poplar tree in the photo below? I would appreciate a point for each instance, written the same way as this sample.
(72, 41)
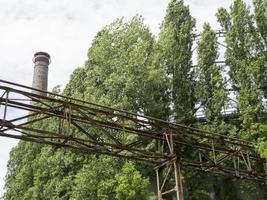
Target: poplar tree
(245, 65)
(246, 61)
(174, 54)
(211, 86)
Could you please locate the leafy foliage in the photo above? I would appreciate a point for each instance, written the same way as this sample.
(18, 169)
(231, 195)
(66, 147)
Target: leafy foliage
(131, 184)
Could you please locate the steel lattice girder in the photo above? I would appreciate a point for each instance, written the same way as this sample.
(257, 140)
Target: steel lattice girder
(90, 128)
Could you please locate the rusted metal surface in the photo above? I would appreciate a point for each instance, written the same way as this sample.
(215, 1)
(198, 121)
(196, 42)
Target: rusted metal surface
(94, 129)
(168, 174)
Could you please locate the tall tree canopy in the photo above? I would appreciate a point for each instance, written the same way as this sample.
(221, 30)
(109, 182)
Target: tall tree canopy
(245, 57)
(174, 54)
(211, 91)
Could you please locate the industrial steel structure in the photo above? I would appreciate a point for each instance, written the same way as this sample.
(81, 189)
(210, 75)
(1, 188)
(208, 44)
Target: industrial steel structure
(94, 129)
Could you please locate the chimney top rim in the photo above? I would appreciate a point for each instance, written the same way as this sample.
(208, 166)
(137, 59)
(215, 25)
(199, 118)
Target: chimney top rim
(42, 53)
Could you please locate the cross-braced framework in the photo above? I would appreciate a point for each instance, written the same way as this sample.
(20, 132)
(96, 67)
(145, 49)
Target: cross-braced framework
(94, 129)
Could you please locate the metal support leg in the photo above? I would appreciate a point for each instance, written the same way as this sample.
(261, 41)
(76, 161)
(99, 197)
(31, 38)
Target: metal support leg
(178, 180)
(164, 185)
(158, 185)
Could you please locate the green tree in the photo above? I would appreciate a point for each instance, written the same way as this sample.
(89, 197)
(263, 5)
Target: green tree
(211, 86)
(174, 53)
(119, 70)
(245, 65)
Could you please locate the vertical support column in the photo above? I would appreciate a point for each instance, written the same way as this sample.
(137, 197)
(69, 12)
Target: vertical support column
(158, 185)
(169, 169)
(178, 180)
(164, 186)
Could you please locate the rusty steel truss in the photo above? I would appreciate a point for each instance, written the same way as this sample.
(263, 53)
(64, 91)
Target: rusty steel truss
(94, 129)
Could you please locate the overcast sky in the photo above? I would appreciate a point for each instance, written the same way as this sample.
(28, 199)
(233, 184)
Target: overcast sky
(65, 29)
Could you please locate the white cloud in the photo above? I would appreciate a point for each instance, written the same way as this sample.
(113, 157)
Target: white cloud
(65, 28)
